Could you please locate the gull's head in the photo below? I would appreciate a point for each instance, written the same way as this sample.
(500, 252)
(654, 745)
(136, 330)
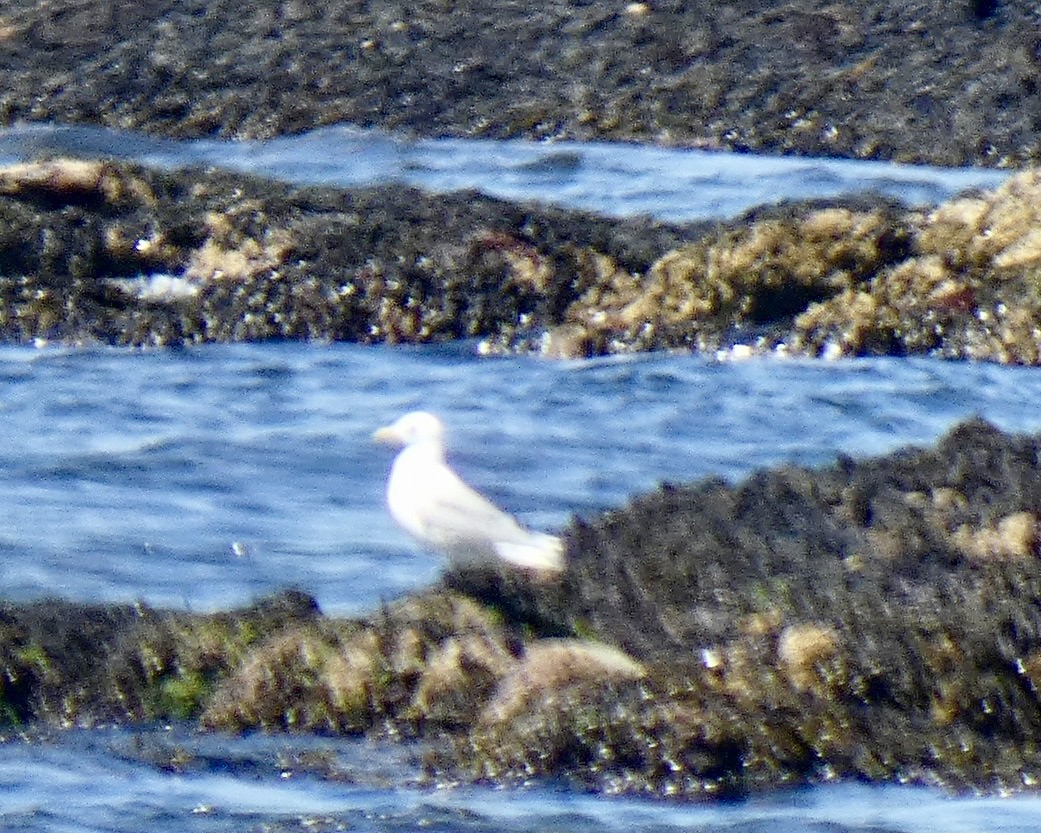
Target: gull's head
(415, 428)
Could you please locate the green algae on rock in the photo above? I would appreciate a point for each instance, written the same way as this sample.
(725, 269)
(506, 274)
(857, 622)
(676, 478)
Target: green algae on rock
(877, 620)
(66, 663)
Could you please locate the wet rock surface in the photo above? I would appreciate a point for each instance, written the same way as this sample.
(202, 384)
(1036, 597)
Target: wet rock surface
(92, 250)
(110, 252)
(97, 251)
(948, 83)
(874, 619)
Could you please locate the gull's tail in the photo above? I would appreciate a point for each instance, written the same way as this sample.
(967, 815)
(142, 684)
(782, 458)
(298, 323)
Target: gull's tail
(539, 552)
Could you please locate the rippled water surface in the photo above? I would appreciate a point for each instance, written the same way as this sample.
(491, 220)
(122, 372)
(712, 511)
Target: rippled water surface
(612, 179)
(201, 478)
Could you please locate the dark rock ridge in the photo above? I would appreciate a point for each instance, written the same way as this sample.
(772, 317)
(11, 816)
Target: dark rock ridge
(876, 620)
(101, 251)
(941, 82)
(91, 250)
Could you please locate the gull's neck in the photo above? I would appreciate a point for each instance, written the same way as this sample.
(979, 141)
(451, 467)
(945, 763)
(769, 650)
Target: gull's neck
(428, 448)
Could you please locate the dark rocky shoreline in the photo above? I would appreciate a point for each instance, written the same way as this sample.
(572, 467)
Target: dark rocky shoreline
(875, 620)
(117, 254)
(94, 251)
(947, 83)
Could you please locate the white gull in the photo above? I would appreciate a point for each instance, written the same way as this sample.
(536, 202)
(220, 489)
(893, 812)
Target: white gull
(434, 505)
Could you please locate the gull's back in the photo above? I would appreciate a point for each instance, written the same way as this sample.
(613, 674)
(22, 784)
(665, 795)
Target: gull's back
(433, 503)
(436, 507)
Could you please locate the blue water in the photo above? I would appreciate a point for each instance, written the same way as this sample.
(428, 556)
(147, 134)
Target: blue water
(204, 477)
(201, 478)
(618, 180)
(123, 792)
(117, 786)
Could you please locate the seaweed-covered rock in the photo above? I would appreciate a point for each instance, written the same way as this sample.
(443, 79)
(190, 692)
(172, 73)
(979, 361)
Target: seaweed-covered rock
(969, 287)
(750, 277)
(92, 250)
(423, 665)
(949, 83)
(68, 663)
(878, 620)
(960, 281)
